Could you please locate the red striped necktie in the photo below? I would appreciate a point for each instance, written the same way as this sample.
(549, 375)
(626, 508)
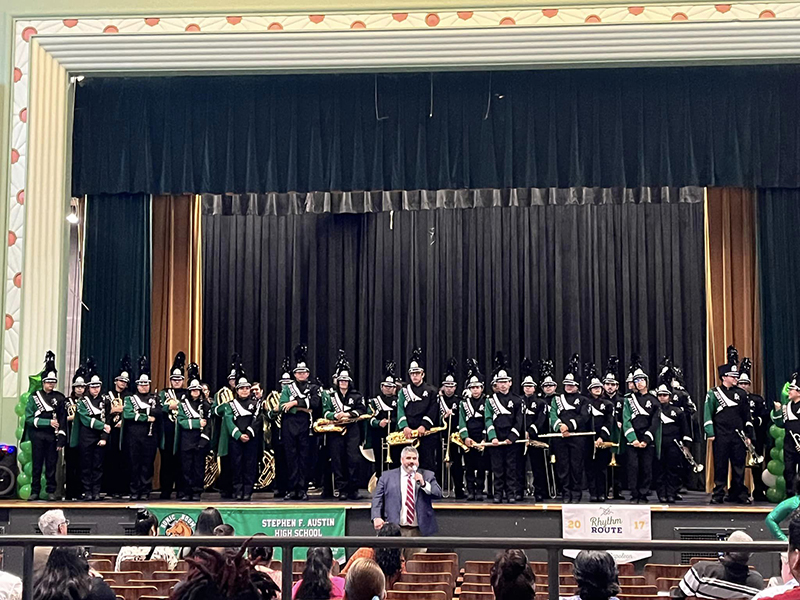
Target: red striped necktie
(410, 501)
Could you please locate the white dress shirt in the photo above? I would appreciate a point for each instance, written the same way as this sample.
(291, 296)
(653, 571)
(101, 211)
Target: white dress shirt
(404, 477)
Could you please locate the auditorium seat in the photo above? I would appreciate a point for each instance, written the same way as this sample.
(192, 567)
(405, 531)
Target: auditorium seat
(430, 566)
(298, 566)
(405, 586)
(476, 596)
(477, 578)
(441, 558)
(626, 569)
(182, 565)
(132, 592)
(428, 578)
(112, 556)
(147, 567)
(564, 590)
(562, 579)
(482, 567)
(275, 565)
(665, 584)
(540, 568)
(100, 564)
(121, 577)
(153, 597)
(639, 597)
(296, 577)
(632, 580)
(168, 575)
(653, 571)
(162, 585)
(416, 595)
(475, 587)
(639, 590)
(542, 596)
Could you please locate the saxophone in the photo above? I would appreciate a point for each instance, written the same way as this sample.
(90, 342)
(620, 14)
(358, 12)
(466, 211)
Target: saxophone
(398, 438)
(334, 426)
(455, 438)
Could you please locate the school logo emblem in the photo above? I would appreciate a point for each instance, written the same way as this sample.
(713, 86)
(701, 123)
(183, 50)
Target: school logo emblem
(177, 525)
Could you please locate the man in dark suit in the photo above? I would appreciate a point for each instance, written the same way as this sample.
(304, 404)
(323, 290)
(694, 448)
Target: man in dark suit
(403, 496)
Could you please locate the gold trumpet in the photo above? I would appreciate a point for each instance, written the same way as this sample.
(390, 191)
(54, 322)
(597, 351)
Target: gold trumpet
(605, 445)
(398, 438)
(334, 426)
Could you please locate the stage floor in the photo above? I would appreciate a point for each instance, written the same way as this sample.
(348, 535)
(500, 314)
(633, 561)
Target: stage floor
(692, 502)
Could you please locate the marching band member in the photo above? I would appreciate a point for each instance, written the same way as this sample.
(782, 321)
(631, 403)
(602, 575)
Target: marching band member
(116, 478)
(602, 410)
(273, 416)
(448, 409)
(787, 415)
(674, 434)
(416, 410)
(90, 433)
(298, 400)
(344, 404)
(192, 437)
(224, 395)
(761, 422)
(472, 429)
(727, 419)
(45, 419)
(169, 475)
(641, 423)
(242, 419)
(536, 415)
(503, 419)
(73, 489)
(141, 432)
(611, 392)
(384, 416)
(570, 413)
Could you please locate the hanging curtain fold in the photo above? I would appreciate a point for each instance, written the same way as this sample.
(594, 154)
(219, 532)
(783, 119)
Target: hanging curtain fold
(779, 264)
(711, 126)
(599, 278)
(732, 289)
(116, 280)
(177, 283)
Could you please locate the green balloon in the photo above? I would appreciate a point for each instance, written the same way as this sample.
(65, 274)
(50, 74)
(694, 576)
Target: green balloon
(773, 431)
(19, 431)
(23, 479)
(25, 492)
(775, 467)
(776, 454)
(28, 469)
(26, 447)
(19, 409)
(779, 443)
(780, 484)
(24, 458)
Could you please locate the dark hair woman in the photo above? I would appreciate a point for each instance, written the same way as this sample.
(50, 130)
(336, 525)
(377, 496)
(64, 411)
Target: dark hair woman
(596, 574)
(207, 520)
(66, 577)
(390, 560)
(512, 577)
(261, 556)
(146, 524)
(317, 582)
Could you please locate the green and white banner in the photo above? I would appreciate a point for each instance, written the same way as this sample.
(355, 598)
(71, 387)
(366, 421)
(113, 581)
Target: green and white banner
(276, 523)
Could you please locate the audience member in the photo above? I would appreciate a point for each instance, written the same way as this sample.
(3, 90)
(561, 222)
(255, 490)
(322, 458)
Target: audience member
(207, 521)
(53, 522)
(512, 577)
(391, 560)
(261, 556)
(596, 575)
(224, 530)
(66, 577)
(365, 581)
(10, 586)
(317, 583)
(728, 577)
(790, 589)
(146, 524)
(214, 575)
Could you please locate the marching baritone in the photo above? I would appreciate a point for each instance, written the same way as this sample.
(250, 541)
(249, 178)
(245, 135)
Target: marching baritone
(675, 434)
(141, 431)
(90, 433)
(570, 413)
(73, 489)
(274, 416)
(472, 429)
(503, 419)
(728, 424)
(169, 475)
(641, 424)
(192, 437)
(787, 415)
(602, 410)
(536, 413)
(45, 419)
(298, 400)
(417, 409)
(241, 421)
(115, 466)
(448, 408)
(384, 417)
(345, 405)
(611, 392)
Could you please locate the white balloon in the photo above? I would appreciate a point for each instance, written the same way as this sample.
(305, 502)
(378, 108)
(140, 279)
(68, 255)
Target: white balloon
(768, 478)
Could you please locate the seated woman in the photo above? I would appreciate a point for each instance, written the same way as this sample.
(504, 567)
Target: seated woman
(390, 560)
(317, 583)
(146, 525)
(66, 577)
(261, 556)
(512, 577)
(597, 575)
(365, 581)
(207, 521)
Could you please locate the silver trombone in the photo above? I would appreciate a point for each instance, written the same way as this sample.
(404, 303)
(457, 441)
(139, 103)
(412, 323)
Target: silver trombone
(687, 454)
(753, 457)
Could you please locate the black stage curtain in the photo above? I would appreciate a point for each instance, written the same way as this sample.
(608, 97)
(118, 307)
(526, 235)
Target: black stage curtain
(732, 126)
(614, 275)
(779, 263)
(116, 281)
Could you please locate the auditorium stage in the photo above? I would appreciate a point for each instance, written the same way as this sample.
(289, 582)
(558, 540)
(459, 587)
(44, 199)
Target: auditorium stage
(692, 519)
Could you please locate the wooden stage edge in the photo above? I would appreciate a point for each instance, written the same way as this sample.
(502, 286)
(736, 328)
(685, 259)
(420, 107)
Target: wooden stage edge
(279, 504)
